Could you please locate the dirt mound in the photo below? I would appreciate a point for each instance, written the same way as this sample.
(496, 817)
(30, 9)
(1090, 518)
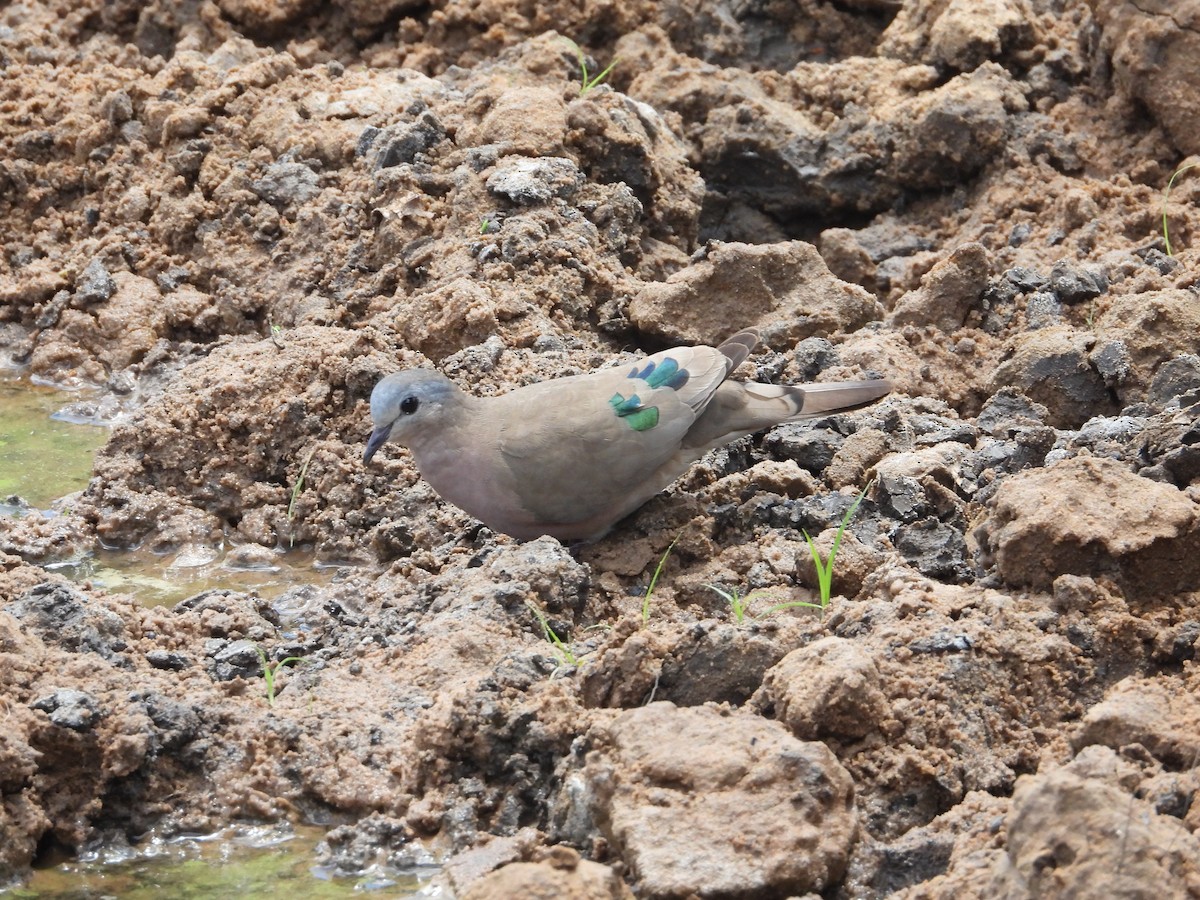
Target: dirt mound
(238, 216)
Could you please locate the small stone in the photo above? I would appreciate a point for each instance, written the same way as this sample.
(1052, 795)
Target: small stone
(95, 285)
(75, 710)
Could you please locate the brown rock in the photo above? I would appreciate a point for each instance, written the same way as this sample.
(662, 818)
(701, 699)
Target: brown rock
(785, 290)
(828, 688)
(1085, 516)
(1153, 712)
(562, 876)
(1155, 49)
(948, 292)
(1070, 835)
(764, 813)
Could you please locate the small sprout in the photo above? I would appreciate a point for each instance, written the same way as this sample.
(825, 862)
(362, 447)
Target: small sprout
(1167, 196)
(825, 567)
(740, 606)
(270, 668)
(276, 333)
(654, 580)
(296, 489)
(586, 81)
(560, 647)
(489, 224)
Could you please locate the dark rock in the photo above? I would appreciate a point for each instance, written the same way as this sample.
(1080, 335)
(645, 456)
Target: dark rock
(811, 448)
(236, 659)
(76, 710)
(1019, 234)
(165, 659)
(881, 870)
(901, 497)
(60, 615)
(1074, 283)
(943, 641)
(286, 183)
(95, 285)
(1054, 367)
(936, 549)
(1174, 377)
(1026, 280)
(813, 356)
(1113, 362)
(1042, 309)
(532, 181)
(724, 664)
(1008, 409)
(401, 142)
(178, 723)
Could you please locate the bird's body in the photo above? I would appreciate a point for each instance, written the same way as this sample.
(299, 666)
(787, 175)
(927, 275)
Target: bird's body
(572, 456)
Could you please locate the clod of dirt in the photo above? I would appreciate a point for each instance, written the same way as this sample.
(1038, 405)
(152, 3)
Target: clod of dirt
(560, 874)
(1145, 711)
(1155, 50)
(958, 35)
(764, 812)
(785, 290)
(1039, 526)
(830, 687)
(813, 151)
(1156, 326)
(949, 292)
(1075, 828)
(1054, 367)
(240, 463)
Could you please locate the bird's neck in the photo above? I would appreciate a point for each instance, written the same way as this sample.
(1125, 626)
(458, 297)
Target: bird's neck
(455, 429)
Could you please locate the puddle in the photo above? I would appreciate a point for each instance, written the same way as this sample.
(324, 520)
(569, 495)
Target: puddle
(165, 580)
(45, 450)
(48, 440)
(246, 862)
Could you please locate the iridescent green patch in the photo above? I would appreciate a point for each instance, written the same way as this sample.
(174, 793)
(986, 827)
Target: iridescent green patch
(636, 416)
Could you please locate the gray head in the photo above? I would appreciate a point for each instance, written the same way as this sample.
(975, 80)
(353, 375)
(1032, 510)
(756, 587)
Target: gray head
(406, 403)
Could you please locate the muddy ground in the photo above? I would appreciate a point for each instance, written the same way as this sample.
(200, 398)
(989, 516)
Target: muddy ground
(238, 215)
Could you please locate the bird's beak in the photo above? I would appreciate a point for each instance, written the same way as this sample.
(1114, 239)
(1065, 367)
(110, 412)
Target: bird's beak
(377, 439)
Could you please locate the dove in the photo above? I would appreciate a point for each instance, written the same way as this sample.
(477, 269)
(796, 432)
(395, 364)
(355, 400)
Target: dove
(571, 457)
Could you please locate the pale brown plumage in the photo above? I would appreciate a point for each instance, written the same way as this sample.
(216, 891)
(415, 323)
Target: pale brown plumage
(572, 456)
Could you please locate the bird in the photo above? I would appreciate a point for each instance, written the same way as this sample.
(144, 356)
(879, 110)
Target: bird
(570, 457)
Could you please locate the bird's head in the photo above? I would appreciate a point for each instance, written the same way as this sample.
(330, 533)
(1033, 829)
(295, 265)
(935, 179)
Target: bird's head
(405, 404)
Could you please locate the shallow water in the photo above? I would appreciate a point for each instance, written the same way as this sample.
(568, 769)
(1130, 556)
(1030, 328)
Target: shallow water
(245, 862)
(165, 580)
(48, 442)
(45, 453)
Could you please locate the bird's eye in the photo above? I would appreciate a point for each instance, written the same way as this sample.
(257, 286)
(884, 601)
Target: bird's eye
(409, 405)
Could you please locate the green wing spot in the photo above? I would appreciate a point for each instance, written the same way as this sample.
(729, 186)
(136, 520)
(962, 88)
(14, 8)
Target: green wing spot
(636, 416)
(644, 419)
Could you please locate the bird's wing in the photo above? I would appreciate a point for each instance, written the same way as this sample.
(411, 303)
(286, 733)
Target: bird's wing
(577, 446)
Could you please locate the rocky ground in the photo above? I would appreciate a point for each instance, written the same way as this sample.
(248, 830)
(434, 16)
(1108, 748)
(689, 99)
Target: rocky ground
(238, 215)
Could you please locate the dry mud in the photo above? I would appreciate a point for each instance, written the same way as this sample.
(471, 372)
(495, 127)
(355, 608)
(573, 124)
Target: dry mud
(238, 215)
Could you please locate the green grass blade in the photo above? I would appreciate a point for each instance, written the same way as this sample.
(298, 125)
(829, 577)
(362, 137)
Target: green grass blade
(1166, 197)
(654, 579)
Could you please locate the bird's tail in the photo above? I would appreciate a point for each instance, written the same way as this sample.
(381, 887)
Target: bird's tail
(738, 347)
(819, 399)
(739, 408)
